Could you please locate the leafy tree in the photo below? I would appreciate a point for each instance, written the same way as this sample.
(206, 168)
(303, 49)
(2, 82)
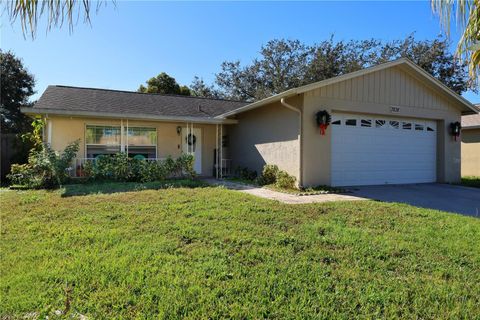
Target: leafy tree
(58, 12)
(467, 16)
(434, 57)
(16, 89)
(199, 88)
(284, 64)
(164, 84)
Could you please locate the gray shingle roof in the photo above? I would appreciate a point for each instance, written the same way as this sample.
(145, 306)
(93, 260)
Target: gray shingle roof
(471, 121)
(64, 98)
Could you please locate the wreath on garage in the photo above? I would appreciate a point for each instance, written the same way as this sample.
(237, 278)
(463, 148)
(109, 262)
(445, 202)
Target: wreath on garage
(323, 119)
(191, 139)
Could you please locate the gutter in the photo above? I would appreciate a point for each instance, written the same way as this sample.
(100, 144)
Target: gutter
(300, 129)
(132, 116)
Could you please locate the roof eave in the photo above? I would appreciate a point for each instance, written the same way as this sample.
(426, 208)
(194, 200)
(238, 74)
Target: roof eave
(471, 127)
(259, 103)
(130, 116)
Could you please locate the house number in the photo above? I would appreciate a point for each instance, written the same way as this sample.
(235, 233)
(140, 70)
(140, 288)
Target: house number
(394, 109)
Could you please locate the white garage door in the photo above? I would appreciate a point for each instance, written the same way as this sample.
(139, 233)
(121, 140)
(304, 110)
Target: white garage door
(372, 150)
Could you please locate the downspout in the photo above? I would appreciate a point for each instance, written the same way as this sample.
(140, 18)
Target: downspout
(289, 106)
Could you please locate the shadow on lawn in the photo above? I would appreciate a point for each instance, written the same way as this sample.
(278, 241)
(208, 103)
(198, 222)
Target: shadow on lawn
(113, 187)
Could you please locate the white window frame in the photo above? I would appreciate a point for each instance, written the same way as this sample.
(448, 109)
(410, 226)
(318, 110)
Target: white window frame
(123, 136)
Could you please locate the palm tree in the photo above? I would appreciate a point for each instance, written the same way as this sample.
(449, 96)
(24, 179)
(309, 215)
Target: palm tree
(58, 12)
(467, 16)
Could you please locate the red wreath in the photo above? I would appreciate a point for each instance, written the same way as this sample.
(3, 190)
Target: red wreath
(323, 120)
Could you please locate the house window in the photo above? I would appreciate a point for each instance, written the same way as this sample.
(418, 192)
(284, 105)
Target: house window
(366, 123)
(395, 124)
(418, 127)
(406, 126)
(101, 140)
(337, 122)
(379, 123)
(141, 142)
(430, 129)
(351, 122)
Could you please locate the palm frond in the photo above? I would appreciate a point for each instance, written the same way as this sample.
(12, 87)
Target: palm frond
(467, 18)
(57, 13)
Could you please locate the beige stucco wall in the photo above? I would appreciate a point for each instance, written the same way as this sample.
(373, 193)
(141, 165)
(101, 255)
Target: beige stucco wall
(267, 135)
(376, 93)
(471, 152)
(68, 129)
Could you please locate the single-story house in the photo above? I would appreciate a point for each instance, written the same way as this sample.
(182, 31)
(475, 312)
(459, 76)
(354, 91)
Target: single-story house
(387, 124)
(471, 145)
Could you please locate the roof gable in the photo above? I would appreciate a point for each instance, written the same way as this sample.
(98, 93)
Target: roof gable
(403, 63)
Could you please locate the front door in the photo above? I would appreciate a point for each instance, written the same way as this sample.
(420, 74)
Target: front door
(192, 143)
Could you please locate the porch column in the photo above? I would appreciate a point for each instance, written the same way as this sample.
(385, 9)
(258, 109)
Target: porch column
(216, 152)
(221, 151)
(122, 137)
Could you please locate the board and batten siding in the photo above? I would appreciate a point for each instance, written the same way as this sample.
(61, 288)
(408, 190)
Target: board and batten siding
(377, 93)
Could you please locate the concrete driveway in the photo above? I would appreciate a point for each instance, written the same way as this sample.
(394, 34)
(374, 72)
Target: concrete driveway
(444, 197)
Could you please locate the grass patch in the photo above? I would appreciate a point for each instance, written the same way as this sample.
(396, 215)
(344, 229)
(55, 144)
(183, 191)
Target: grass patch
(473, 182)
(216, 253)
(113, 187)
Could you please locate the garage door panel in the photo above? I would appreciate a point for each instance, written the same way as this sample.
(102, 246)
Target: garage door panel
(391, 153)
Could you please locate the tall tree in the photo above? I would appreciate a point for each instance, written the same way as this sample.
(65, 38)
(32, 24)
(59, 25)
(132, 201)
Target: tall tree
(199, 88)
(284, 64)
(57, 12)
(164, 84)
(467, 16)
(434, 57)
(15, 90)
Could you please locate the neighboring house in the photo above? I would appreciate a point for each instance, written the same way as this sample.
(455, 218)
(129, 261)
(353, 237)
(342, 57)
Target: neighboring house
(390, 124)
(471, 145)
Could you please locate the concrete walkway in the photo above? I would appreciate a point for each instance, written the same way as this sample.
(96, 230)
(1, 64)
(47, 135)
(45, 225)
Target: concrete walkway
(280, 196)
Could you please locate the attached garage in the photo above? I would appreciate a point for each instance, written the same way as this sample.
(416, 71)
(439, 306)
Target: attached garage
(390, 124)
(369, 150)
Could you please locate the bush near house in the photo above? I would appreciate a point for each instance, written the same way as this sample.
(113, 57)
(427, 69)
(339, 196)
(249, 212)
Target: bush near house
(45, 168)
(272, 175)
(122, 168)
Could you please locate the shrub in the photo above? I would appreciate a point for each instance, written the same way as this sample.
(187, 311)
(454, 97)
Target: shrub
(184, 164)
(245, 173)
(45, 168)
(284, 180)
(269, 174)
(120, 167)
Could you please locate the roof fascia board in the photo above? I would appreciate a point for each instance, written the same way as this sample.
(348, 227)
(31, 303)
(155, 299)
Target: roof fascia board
(35, 111)
(257, 104)
(471, 127)
(439, 85)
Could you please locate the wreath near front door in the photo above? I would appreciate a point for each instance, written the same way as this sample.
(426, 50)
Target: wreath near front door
(191, 140)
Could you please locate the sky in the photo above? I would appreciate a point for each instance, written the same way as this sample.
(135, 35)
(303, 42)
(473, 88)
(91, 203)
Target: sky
(129, 42)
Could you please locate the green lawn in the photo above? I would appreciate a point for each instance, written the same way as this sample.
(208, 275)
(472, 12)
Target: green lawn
(208, 252)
